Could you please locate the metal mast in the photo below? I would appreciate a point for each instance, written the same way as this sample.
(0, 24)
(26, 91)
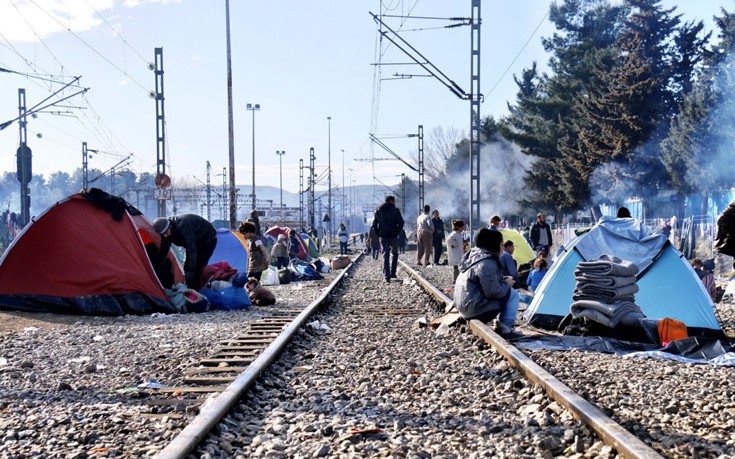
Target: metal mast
(421, 167)
(475, 99)
(329, 177)
(24, 160)
(85, 166)
(209, 192)
(312, 185)
(160, 126)
(301, 192)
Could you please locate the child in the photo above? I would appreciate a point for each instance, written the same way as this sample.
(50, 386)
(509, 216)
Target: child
(258, 256)
(279, 252)
(538, 272)
(374, 243)
(259, 295)
(455, 246)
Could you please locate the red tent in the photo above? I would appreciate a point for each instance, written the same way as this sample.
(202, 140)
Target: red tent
(84, 257)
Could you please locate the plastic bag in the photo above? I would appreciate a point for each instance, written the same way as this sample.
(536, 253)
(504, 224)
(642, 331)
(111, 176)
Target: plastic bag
(270, 276)
(228, 299)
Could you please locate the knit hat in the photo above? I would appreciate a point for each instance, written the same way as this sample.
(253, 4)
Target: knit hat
(281, 237)
(161, 225)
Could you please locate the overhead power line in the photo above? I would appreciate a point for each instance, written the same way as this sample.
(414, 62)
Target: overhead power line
(105, 58)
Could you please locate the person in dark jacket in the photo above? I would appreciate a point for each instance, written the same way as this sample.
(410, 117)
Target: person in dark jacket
(437, 237)
(540, 233)
(402, 241)
(481, 292)
(196, 235)
(388, 223)
(255, 220)
(725, 239)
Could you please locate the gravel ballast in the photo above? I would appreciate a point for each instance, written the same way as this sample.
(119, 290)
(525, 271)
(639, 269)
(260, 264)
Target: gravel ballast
(385, 386)
(59, 386)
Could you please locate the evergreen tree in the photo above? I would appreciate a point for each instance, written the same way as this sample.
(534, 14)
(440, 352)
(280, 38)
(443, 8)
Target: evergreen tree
(541, 120)
(697, 151)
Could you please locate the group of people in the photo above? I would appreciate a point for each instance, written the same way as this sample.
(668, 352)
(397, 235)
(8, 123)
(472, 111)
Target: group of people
(198, 237)
(429, 236)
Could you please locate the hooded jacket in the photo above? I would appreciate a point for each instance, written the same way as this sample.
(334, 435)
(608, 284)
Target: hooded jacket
(479, 288)
(388, 221)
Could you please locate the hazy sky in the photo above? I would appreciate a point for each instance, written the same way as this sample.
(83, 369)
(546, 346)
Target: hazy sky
(301, 61)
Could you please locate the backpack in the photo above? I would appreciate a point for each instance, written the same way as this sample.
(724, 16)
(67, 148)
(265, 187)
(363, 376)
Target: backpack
(284, 276)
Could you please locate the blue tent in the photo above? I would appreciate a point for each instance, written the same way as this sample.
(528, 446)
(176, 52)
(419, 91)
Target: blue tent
(231, 248)
(669, 287)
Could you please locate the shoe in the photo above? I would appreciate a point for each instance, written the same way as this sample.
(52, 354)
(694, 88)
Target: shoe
(387, 281)
(393, 276)
(418, 263)
(500, 328)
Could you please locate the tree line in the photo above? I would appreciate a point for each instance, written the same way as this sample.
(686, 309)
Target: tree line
(636, 101)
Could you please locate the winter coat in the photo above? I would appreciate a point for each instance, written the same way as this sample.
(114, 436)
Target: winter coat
(438, 234)
(725, 240)
(479, 288)
(536, 233)
(189, 231)
(388, 221)
(343, 235)
(279, 250)
(373, 240)
(455, 248)
(508, 265)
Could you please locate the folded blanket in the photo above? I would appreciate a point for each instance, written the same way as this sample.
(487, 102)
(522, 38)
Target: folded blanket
(610, 315)
(608, 265)
(607, 292)
(603, 281)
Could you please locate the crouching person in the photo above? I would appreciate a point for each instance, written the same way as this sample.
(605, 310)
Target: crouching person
(481, 292)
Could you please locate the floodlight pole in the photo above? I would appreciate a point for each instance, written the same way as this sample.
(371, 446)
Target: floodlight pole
(230, 123)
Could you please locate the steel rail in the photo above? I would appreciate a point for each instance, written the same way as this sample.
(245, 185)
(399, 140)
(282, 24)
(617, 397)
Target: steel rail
(210, 415)
(612, 433)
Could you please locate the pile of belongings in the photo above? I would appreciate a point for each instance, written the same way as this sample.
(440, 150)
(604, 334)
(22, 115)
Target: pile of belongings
(605, 292)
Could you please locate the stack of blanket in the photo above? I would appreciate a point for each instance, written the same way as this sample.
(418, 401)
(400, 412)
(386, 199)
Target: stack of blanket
(605, 292)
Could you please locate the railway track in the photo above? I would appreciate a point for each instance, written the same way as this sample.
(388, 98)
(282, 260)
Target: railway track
(285, 414)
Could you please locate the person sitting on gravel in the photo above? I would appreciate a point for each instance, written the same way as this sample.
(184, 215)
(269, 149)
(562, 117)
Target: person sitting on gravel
(481, 292)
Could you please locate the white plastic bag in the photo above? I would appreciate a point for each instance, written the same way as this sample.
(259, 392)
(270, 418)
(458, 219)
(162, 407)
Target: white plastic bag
(270, 276)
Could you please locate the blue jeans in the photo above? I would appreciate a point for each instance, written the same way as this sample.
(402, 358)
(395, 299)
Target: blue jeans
(342, 248)
(509, 310)
(390, 246)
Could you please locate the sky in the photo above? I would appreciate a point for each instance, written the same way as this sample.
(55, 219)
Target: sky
(301, 61)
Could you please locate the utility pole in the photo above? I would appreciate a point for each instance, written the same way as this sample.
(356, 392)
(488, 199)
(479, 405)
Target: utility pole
(329, 177)
(160, 131)
(209, 192)
(301, 193)
(475, 101)
(85, 165)
(230, 123)
(224, 193)
(403, 194)
(253, 108)
(24, 160)
(421, 167)
(343, 185)
(280, 168)
(312, 185)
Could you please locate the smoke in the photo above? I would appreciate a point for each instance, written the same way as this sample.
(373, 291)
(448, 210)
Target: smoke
(502, 187)
(705, 146)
